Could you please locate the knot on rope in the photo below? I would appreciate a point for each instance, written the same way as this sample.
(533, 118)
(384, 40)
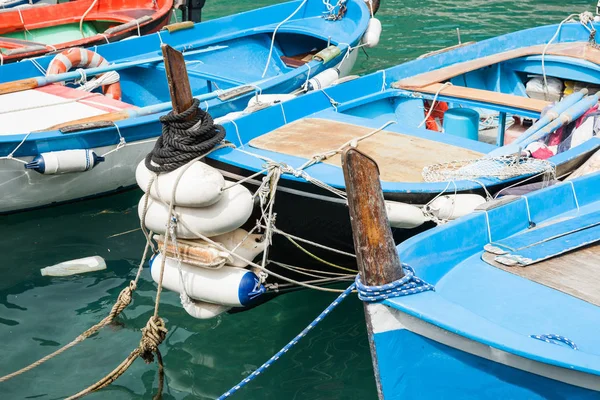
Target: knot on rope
(185, 136)
(153, 334)
(123, 300)
(408, 284)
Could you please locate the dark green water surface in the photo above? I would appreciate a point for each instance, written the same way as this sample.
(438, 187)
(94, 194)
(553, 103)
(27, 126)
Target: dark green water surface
(204, 358)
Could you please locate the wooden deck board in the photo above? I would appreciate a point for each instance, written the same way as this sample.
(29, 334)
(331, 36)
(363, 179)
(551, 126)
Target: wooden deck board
(579, 50)
(576, 273)
(401, 158)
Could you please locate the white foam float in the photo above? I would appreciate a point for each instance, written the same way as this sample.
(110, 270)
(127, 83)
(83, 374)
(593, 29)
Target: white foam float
(404, 216)
(451, 207)
(227, 286)
(372, 35)
(229, 213)
(200, 185)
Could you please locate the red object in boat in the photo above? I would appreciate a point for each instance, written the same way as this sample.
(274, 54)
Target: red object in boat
(122, 18)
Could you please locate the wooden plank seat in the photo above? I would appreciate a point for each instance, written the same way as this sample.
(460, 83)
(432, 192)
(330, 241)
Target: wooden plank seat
(575, 273)
(401, 157)
(486, 96)
(580, 50)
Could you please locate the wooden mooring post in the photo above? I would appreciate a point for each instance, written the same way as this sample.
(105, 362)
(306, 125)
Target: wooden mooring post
(378, 261)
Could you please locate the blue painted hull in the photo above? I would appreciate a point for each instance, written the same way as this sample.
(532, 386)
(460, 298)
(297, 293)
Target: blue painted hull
(412, 366)
(16, 3)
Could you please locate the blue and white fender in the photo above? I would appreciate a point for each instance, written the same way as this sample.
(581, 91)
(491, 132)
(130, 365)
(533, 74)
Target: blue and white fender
(227, 286)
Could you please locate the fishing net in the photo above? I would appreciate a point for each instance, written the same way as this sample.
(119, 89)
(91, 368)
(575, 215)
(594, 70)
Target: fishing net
(504, 167)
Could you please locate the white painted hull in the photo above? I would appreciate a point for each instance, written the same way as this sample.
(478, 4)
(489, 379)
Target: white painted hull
(23, 189)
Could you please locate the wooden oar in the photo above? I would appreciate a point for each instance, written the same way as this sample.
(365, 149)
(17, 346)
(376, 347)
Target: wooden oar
(376, 254)
(32, 83)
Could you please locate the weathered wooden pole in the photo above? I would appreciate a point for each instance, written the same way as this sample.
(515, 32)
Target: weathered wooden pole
(177, 78)
(378, 261)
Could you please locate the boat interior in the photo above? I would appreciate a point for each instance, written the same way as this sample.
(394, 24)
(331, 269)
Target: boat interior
(478, 106)
(218, 68)
(551, 288)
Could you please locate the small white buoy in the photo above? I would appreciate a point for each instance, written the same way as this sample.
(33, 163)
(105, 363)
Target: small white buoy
(371, 37)
(404, 216)
(200, 185)
(324, 79)
(228, 286)
(451, 207)
(229, 213)
(248, 249)
(65, 161)
(73, 267)
(201, 309)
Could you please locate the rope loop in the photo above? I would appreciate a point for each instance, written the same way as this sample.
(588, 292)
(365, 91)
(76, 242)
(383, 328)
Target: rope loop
(185, 136)
(408, 284)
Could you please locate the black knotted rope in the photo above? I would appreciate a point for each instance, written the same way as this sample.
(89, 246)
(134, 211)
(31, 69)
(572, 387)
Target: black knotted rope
(182, 140)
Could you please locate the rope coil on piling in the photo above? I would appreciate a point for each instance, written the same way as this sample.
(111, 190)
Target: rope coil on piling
(185, 136)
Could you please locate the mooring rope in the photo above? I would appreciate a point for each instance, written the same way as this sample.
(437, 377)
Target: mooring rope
(185, 136)
(405, 286)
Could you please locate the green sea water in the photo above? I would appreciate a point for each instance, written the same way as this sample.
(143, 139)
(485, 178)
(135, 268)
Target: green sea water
(204, 358)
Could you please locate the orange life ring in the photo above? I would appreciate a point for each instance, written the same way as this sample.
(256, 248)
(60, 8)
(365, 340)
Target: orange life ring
(83, 58)
(435, 121)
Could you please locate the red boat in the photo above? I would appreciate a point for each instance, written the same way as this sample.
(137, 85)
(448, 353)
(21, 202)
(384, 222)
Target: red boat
(39, 29)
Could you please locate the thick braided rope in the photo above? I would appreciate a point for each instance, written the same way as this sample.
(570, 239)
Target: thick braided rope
(185, 136)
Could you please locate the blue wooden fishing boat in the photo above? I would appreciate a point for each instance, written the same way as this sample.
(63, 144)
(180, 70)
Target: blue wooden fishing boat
(397, 115)
(273, 50)
(502, 303)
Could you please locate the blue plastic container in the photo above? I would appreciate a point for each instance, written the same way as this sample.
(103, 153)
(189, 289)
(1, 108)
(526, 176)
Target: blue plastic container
(463, 122)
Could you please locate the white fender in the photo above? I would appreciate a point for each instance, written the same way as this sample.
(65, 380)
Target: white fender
(451, 207)
(404, 216)
(201, 309)
(64, 161)
(228, 286)
(249, 249)
(324, 79)
(371, 37)
(229, 213)
(78, 266)
(200, 185)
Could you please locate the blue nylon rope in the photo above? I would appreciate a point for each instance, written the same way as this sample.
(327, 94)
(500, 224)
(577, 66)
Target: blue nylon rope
(288, 346)
(552, 339)
(409, 284)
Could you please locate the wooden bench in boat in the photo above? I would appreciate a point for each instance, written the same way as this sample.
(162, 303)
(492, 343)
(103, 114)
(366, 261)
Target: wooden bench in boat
(401, 158)
(576, 273)
(486, 96)
(579, 50)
